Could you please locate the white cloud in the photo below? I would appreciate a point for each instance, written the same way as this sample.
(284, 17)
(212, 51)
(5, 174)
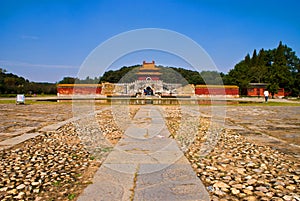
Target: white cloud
(4, 63)
(29, 37)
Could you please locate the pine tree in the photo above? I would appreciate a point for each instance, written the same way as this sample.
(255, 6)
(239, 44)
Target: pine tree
(279, 67)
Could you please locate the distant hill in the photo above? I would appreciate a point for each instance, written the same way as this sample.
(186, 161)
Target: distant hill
(13, 84)
(169, 75)
(127, 74)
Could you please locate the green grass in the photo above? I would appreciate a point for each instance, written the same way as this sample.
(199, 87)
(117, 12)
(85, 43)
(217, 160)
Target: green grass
(71, 196)
(26, 95)
(107, 149)
(7, 101)
(74, 156)
(56, 183)
(236, 103)
(265, 104)
(30, 102)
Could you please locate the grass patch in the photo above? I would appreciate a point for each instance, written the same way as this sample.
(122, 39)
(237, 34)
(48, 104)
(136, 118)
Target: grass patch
(107, 149)
(7, 101)
(30, 102)
(264, 104)
(71, 196)
(56, 183)
(27, 95)
(75, 156)
(134, 183)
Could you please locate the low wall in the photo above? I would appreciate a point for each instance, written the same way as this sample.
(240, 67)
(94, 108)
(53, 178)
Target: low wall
(200, 90)
(70, 89)
(217, 90)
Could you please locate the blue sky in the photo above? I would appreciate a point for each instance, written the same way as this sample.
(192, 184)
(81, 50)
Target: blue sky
(45, 40)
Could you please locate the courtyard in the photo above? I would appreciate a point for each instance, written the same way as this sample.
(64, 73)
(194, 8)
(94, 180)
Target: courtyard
(256, 156)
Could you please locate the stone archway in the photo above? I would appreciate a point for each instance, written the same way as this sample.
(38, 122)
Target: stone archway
(148, 91)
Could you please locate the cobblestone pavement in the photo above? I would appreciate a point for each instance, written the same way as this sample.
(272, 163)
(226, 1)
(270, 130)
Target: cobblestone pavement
(52, 163)
(239, 167)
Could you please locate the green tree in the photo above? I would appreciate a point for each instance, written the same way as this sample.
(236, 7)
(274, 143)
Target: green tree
(258, 69)
(117, 75)
(67, 80)
(13, 84)
(278, 67)
(212, 77)
(280, 75)
(240, 76)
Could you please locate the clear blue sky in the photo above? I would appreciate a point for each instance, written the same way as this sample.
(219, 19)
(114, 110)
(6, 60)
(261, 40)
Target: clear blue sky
(45, 40)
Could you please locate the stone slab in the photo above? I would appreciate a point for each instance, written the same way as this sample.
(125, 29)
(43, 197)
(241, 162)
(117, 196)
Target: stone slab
(109, 184)
(17, 140)
(56, 126)
(18, 132)
(175, 182)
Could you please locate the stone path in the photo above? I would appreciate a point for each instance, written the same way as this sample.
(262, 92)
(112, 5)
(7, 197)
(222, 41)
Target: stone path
(16, 140)
(146, 165)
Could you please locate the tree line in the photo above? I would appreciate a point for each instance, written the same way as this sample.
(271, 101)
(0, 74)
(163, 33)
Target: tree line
(278, 68)
(168, 75)
(13, 84)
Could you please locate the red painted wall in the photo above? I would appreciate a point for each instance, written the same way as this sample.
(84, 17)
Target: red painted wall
(212, 90)
(199, 90)
(260, 92)
(69, 90)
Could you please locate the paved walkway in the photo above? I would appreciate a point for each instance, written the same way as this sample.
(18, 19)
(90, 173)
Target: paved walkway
(16, 120)
(275, 126)
(146, 165)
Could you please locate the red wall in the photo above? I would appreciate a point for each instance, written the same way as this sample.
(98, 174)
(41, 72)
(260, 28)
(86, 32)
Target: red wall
(199, 90)
(78, 90)
(260, 92)
(234, 91)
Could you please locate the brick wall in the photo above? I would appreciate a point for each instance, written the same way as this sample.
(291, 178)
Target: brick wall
(69, 89)
(217, 90)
